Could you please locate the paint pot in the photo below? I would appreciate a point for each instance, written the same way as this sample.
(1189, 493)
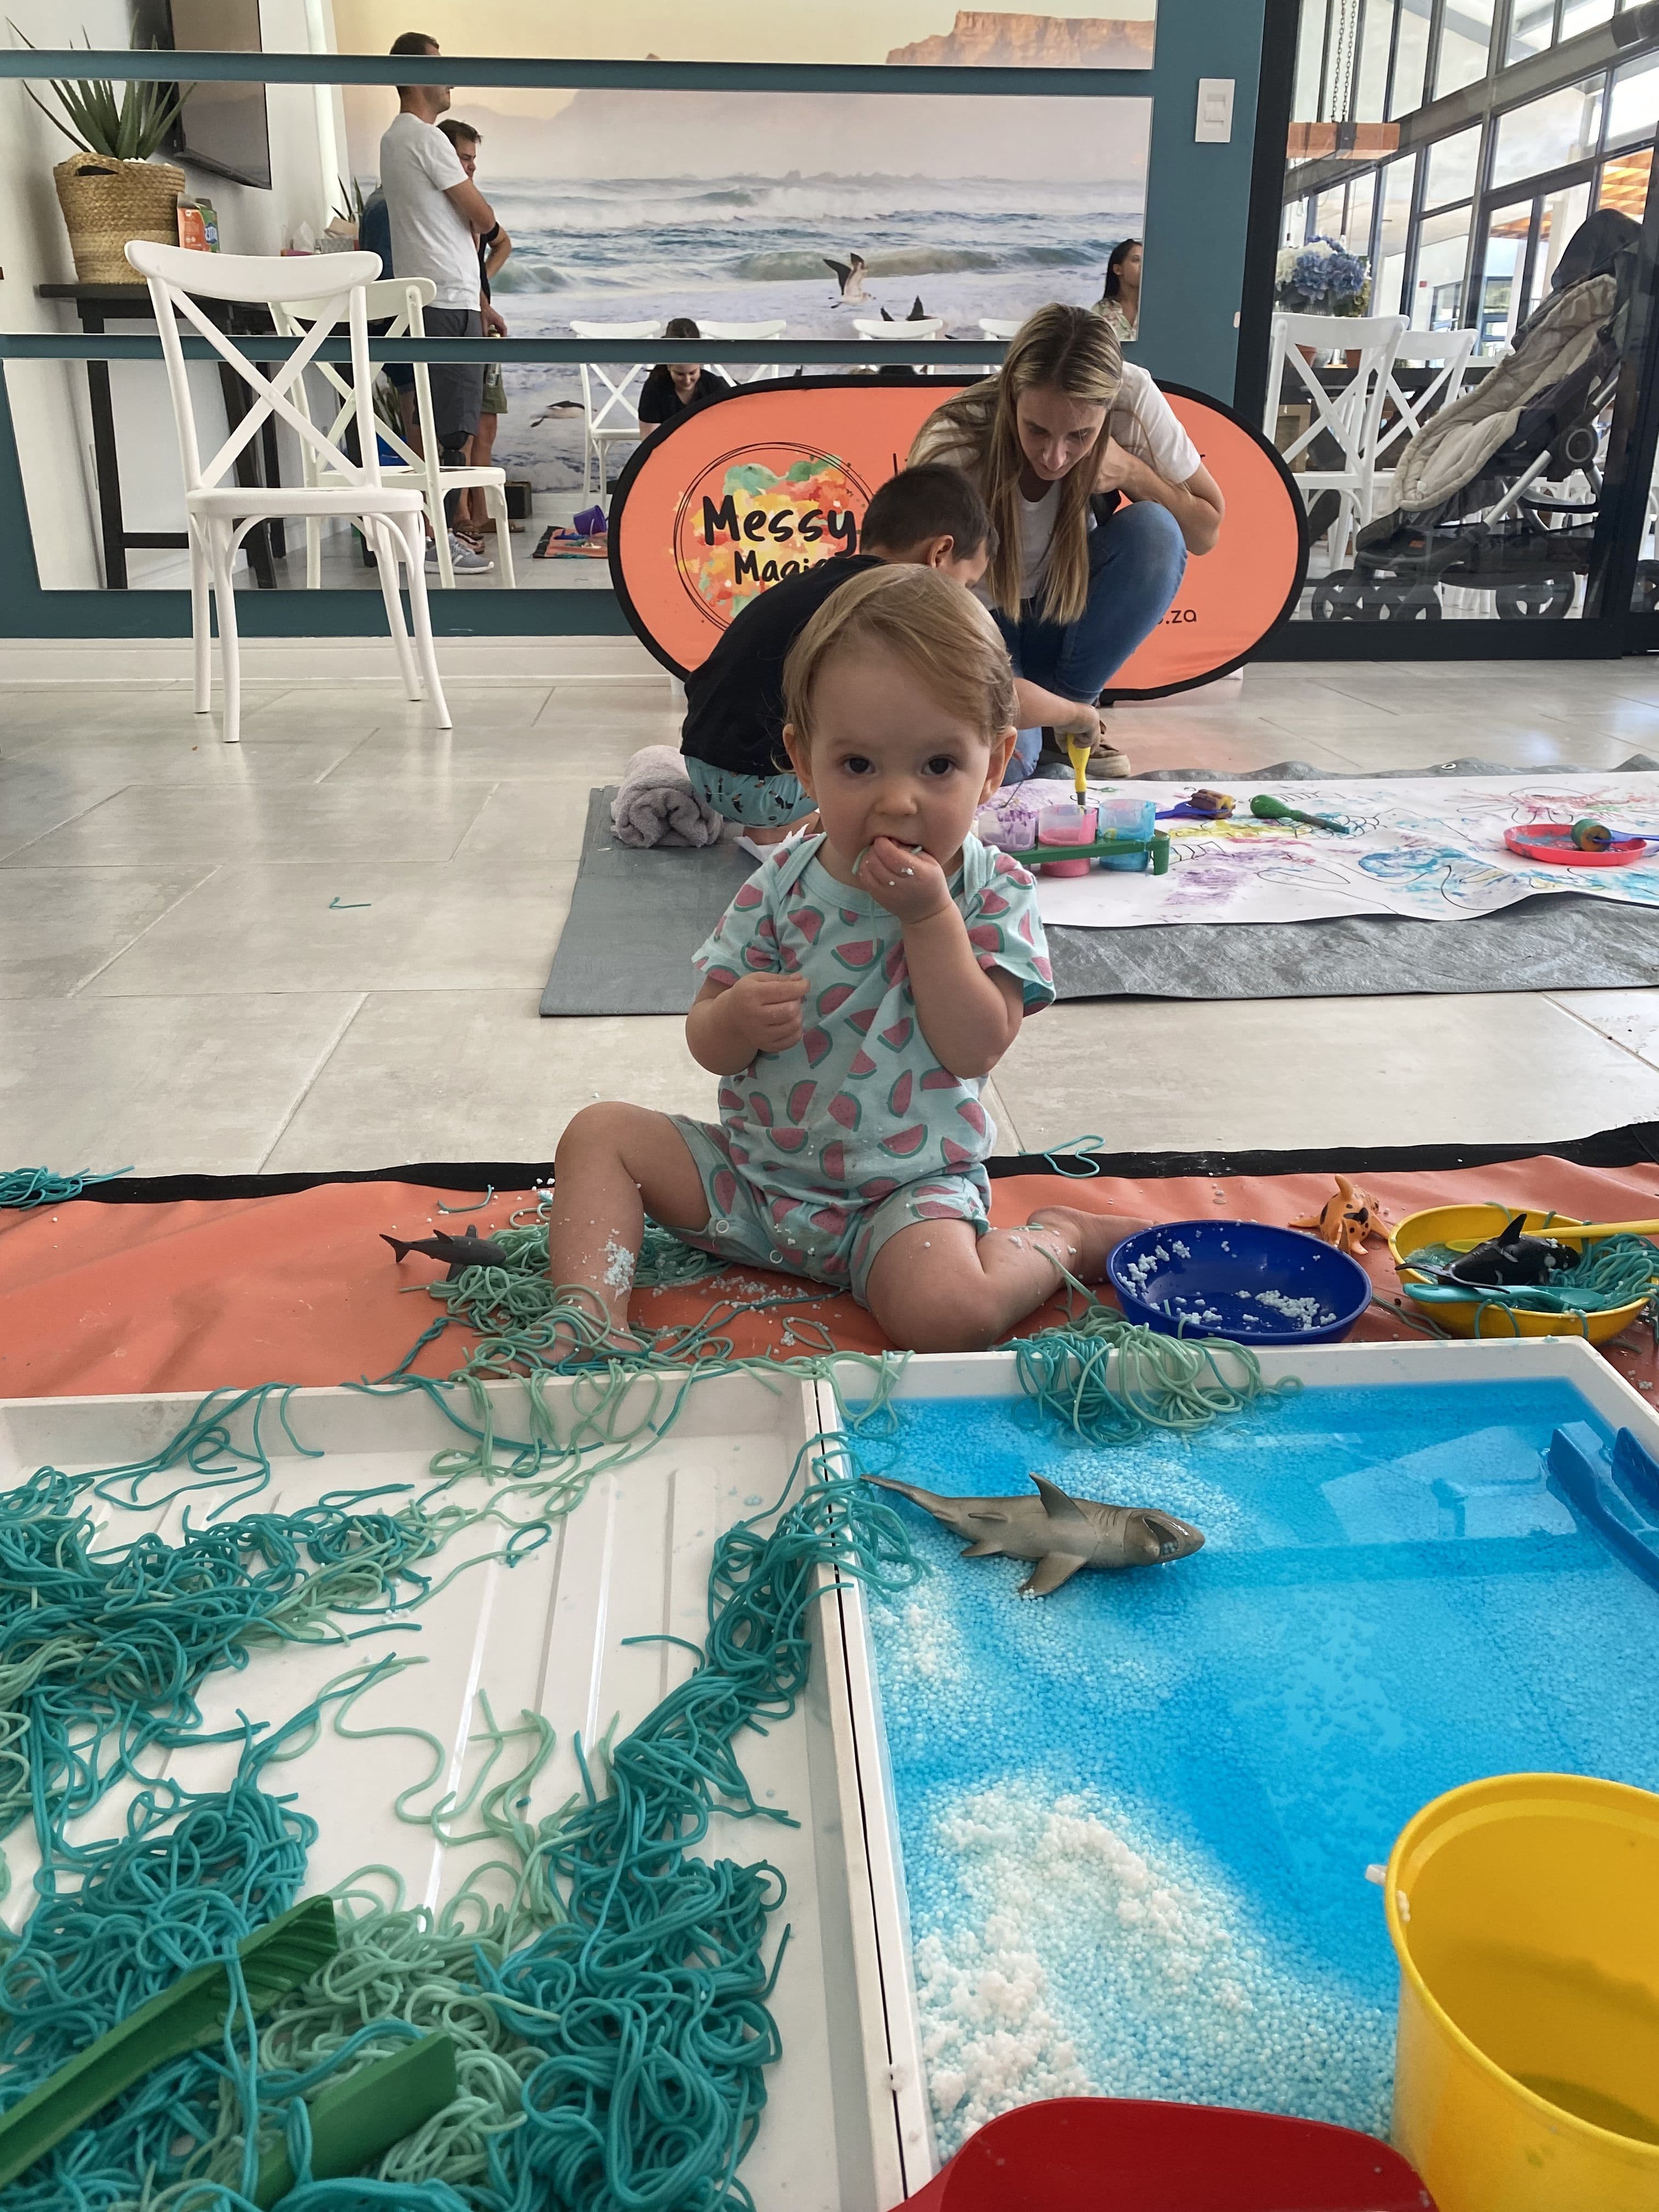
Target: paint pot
(1011, 825)
(1126, 817)
(1066, 825)
(1524, 1910)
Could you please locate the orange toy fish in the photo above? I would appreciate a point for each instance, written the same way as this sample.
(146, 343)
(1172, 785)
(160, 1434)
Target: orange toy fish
(1346, 1218)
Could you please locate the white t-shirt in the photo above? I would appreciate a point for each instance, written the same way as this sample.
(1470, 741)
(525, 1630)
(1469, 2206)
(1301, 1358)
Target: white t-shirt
(1143, 422)
(429, 236)
(1037, 518)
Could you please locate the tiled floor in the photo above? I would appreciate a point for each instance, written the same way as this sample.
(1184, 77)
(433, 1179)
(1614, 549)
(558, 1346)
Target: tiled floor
(323, 949)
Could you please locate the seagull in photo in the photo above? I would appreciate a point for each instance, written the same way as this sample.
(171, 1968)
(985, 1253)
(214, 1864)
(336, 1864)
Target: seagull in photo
(559, 407)
(918, 313)
(849, 275)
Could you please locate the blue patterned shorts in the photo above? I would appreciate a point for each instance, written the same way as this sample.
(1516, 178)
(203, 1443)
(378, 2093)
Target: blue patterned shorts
(831, 1239)
(760, 802)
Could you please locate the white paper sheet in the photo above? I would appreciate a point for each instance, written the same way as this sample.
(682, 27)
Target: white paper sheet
(1432, 849)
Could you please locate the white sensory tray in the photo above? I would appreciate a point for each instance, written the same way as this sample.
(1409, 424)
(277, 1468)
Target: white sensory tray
(846, 2127)
(633, 1559)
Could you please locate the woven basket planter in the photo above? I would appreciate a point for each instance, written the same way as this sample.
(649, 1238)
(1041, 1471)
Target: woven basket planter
(106, 201)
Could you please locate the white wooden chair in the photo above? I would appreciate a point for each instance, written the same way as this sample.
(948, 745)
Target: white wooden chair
(1451, 349)
(749, 372)
(928, 327)
(1002, 332)
(1351, 416)
(610, 406)
(404, 301)
(220, 512)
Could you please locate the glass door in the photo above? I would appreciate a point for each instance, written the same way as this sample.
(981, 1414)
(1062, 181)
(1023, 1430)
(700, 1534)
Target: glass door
(1507, 228)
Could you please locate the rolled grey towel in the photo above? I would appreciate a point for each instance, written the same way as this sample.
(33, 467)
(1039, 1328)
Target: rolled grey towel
(656, 804)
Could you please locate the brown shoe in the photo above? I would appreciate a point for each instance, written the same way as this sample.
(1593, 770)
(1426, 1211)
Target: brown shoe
(1108, 761)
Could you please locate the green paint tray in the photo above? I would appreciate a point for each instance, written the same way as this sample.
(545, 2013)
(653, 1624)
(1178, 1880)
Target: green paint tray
(354, 2121)
(189, 2016)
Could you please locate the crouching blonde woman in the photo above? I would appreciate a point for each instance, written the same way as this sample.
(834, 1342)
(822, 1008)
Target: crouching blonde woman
(1096, 497)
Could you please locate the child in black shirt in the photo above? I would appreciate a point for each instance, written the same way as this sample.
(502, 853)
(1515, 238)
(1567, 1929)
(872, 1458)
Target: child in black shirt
(732, 737)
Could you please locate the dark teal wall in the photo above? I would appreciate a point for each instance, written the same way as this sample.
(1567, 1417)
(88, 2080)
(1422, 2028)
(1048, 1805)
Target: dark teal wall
(1198, 210)
(1198, 197)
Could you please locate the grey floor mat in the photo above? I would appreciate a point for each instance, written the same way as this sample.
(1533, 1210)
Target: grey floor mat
(636, 917)
(1555, 943)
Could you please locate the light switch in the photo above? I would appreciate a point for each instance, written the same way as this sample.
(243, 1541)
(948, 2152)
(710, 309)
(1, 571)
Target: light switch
(1215, 111)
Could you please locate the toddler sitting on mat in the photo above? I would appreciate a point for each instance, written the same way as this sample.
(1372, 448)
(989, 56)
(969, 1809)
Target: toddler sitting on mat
(856, 993)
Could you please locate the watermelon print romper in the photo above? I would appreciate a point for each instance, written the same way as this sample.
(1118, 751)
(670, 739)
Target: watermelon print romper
(824, 1152)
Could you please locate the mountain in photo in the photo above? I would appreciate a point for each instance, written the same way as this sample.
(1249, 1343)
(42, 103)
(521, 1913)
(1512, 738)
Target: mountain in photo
(984, 37)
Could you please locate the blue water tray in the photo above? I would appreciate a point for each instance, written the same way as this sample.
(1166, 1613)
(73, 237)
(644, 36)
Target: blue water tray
(1617, 1491)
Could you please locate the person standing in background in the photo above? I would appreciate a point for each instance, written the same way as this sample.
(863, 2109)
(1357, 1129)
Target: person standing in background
(437, 214)
(493, 249)
(1119, 304)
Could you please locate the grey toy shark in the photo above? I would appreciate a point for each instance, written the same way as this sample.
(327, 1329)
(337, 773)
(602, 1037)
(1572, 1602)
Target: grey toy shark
(1060, 1533)
(457, 1253)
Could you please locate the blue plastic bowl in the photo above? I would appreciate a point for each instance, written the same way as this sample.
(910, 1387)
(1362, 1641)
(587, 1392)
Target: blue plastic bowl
(1229, 1278)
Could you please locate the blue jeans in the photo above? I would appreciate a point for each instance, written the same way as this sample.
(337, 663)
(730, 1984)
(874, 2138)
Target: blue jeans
(1137, 557)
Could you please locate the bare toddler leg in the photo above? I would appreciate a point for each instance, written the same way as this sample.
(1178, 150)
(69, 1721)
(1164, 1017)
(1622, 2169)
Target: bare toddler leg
(1092, 1237)
(615, 1164)
(938, 1286)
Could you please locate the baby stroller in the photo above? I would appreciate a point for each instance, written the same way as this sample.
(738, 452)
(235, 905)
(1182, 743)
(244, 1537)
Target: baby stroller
(1482, 494)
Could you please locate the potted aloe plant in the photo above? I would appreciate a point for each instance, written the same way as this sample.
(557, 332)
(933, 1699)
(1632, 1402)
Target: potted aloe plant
(109, 189)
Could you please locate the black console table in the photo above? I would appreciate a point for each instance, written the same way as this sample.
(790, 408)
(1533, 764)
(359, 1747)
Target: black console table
(97, 304)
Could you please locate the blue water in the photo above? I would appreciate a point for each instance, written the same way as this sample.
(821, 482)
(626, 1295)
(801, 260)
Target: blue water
(1136, 1816)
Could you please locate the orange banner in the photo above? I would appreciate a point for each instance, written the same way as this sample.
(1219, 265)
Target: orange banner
(731, 497)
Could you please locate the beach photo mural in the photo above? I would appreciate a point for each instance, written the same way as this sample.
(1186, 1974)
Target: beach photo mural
(927, 33)
(816, 210)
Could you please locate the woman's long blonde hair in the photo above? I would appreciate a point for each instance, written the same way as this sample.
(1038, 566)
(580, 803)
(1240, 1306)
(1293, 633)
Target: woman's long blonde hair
(1069, 349)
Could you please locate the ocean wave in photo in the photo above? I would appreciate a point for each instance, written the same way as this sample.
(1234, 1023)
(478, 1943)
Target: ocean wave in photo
(746, 249)
(920, 260)
(773, 241)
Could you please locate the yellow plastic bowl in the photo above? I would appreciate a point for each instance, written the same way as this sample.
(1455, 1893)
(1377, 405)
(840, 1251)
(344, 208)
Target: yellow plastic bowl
(1524, 1910)
(1473, 1224)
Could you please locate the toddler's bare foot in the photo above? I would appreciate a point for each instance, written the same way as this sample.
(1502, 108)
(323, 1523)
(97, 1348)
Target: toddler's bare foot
(1089, 1238)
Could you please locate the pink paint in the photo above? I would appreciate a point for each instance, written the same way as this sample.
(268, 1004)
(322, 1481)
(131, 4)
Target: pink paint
(1066, 825)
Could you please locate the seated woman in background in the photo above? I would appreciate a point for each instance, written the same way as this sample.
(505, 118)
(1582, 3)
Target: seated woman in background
(1096, 495)
(1119, 304)
(672, 386)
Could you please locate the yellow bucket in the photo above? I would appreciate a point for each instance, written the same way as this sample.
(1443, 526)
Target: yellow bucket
(1473, 1224)
(1525, 1913)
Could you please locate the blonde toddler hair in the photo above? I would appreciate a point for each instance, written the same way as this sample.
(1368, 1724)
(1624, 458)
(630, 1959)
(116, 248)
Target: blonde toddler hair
(938, 629)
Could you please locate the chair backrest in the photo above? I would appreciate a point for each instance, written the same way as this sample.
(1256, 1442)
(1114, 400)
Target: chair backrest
(1353, 413)
(1452, 349)
(924, 326)
(401, 303)
(748, 371)
(1003, 331)
(756, 330)
(332, 289)
(606, 397)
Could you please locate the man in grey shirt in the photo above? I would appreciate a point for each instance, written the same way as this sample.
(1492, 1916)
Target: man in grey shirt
(437, 217)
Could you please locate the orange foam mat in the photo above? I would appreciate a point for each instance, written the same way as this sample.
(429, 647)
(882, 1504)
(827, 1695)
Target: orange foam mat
(295, 1286)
